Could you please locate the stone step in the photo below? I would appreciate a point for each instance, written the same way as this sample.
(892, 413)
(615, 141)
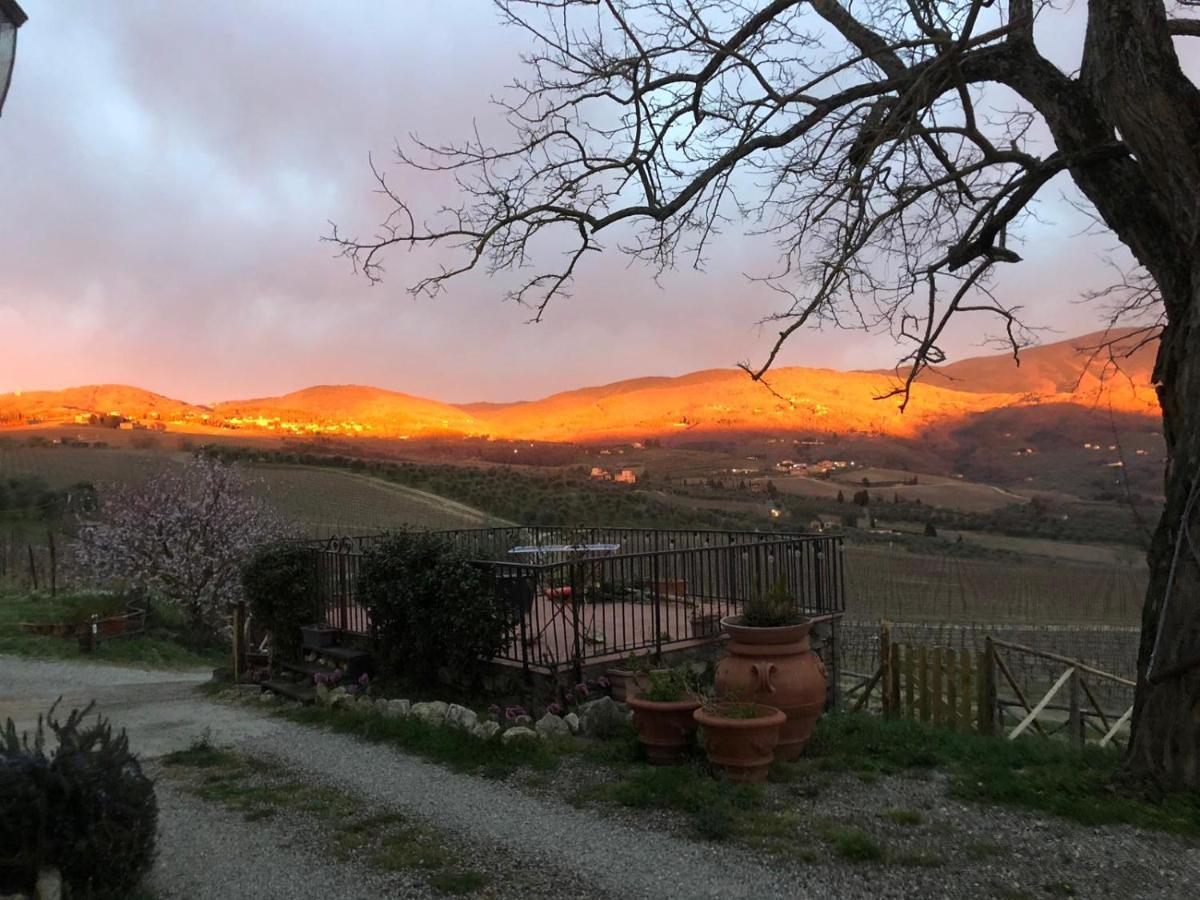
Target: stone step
(293, 690)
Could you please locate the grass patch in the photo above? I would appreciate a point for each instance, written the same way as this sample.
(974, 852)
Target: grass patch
(903, 816)
(1082, 784)
(156, 649)
(920, 859)
(852, 843)
(260, 790)
(983, 850)
(453, 748)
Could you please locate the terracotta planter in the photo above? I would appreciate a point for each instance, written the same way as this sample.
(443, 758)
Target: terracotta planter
(775, 667)
(665, 729)
(744, 748)
(622, 683)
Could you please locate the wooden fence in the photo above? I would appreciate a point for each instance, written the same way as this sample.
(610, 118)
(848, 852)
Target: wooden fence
(976, 691)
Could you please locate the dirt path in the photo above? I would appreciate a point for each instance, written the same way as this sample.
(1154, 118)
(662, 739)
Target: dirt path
(551, 849)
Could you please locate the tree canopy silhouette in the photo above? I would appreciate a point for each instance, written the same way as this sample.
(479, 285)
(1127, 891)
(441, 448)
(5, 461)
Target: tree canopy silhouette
(892, 150)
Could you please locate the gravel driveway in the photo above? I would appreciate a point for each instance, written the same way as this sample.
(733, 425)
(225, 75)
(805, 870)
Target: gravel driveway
(205, 850)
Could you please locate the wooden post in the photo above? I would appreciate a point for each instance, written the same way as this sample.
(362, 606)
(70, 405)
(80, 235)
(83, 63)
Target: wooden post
(951, 689)
(239, 638)
(885, 663)
(924, 684)
(987, 689)
(909, 707)
(53, 563)
(964, 694)
(938, 712)
(894, 687)
(1074, 714)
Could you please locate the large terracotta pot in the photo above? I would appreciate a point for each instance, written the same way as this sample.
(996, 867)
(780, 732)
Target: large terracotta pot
(665, 729)
(775, 667)
(744, 748)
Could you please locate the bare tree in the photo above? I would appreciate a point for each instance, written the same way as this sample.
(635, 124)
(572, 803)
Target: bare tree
(892, 149)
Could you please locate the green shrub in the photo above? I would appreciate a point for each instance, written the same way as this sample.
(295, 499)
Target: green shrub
(86, 808)
(773, 609)
(279, 585)
(431, 607)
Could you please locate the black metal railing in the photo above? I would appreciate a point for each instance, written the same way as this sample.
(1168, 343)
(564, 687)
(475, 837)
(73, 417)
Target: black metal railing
(647, 591)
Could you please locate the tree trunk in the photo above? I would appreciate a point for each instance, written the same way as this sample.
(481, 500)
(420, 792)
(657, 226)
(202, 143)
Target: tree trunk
(1165, 744)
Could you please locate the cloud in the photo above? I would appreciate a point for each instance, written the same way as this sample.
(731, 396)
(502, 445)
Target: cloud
(166, 171)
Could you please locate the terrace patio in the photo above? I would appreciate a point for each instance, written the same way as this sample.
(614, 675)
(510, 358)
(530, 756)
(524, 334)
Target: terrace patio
(584, 596)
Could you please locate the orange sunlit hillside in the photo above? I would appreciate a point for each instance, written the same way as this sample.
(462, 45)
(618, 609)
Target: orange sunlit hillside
(715, 400)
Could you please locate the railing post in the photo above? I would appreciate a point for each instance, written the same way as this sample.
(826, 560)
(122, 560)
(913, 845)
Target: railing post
(657, 594)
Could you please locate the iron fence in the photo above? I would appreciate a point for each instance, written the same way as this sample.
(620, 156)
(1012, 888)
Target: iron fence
(581, 595)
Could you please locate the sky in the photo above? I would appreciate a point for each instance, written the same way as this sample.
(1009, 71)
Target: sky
(167, 171)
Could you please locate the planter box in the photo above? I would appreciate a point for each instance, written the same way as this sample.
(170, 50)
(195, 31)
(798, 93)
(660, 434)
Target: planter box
(317, 636)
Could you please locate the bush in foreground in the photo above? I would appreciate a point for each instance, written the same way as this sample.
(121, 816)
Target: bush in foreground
(279, 584)
(430, 607)
(85, 808)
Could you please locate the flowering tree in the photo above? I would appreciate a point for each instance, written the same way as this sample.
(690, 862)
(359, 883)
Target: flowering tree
(182, 536)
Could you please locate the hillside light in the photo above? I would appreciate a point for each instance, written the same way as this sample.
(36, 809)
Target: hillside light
(12, 17)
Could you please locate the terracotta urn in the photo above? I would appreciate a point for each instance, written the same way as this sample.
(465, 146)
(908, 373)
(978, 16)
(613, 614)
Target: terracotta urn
(665, 728)
(775, 667)
(741, 745)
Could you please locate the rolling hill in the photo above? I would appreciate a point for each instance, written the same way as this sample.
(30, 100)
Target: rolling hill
(1054, 382)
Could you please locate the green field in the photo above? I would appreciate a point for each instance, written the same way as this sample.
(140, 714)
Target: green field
(62, 467)
(322, 501)
(331, 501)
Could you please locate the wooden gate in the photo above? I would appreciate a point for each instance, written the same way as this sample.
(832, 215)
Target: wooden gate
(976, 690)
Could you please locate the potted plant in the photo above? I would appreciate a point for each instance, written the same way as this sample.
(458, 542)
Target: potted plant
(740, 737)
(769, 660)
(662, 714)
(629, 679)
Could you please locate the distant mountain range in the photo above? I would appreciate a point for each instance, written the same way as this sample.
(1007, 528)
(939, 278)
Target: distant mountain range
(798, 400)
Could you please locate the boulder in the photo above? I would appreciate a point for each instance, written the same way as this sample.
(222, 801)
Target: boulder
(431, 713)
(485, 731)
(381, 706)
(523, 722)
(461, 717)
(572, 721)
(49, 884)
(603, 717)
(323, 694)
(397, 709)
(520, 733)
(551, 725)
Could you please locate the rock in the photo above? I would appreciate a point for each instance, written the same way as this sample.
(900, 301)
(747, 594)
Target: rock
(49, 884)
(397, 709)
(485, 731)
(340, 701)
(601, 718)
(519, 733)
(572, 721)
(364, 704)
(381, 706)
(461, 717)
(267, 697)
(523, 722)
(551, 725)
(323, 694)
(431, 713)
